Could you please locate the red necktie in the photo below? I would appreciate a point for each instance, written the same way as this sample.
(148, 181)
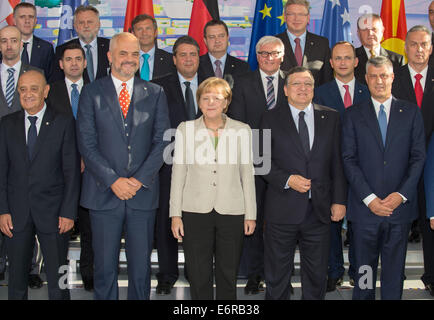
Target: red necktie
(124, 99)
(347, 97)
(418, 89)
(297, 52)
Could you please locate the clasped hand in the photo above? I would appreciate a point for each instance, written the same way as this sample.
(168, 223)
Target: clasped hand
(126, 188)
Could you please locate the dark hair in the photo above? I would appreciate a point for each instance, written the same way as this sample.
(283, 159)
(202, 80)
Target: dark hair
(215, 22)
(297, 69)
(185, 40)
(82, 8)
(344, 42)
(25, 5)
(72, 46)
(143, 17)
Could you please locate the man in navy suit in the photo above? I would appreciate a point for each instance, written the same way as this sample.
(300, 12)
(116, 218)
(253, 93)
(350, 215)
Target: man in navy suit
(86, 24)
(186, 60)
(154, 62)
(217, 62)
(339, 94)
(303, 48)
(36, 51)
(121, 122)
(39, 183)
(415, 83)
(383, 147)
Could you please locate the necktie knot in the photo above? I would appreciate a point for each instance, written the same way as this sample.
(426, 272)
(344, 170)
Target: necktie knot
(74, 86)
(11, 71)
(32, 119)
(187, 84)
(346, 87)
(418, 77)
(25, 45)
(145, 56)
(88, 46)
(382, 108)
(301, 114)
(124, 85)
(297, 40)
(270, 78)
(218, 63)
(372, 52)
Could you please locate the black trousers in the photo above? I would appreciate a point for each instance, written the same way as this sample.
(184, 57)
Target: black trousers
(213, 235)
(19, 249)
(280, 241)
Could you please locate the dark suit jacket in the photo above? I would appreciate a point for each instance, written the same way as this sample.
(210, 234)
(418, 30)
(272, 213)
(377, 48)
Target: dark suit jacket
(163, 64)
(360, 71)
(431, 57)
(58, 97)
(329, 95)
(16, 105)
(46, 186)
(402, 88)
(316, 57)
(372, 168)
(233, 67)
(323, 166)
(103, 63)
(108, 154)
(249, 100)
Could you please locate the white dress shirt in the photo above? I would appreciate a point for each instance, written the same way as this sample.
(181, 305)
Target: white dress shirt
(68, 83)
(118, 85)
(94, 51)
(193, 85)
(222, 59)
(29, 47)
(275, 82)
(351, 86)
(151, 60)
(292, 41)
(40, 116)
(423, 73)
(368, 52)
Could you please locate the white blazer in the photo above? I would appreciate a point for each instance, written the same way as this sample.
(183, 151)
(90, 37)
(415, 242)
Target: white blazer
(205, 178)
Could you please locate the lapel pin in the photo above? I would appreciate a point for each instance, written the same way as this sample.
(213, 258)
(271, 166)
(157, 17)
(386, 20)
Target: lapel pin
(145, 88)
(400, 110)
(322, 117)
(232, 66)
(47, 123)
(311, 43)
(161, 59)
(360, 91)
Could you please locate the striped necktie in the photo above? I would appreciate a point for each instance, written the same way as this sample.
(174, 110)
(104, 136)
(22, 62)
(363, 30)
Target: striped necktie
(10, 87)
(271, 99)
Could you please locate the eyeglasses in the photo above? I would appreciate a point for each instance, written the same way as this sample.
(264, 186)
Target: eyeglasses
(293, 14)
(266, 54)
(382, 76)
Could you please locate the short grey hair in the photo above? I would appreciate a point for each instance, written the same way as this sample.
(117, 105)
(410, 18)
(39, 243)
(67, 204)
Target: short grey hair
(378, 61)
(267, 40)
(300, 2)
(418, 28)
(369, 16)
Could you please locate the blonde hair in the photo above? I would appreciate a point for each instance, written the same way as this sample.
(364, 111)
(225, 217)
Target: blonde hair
(217, 84)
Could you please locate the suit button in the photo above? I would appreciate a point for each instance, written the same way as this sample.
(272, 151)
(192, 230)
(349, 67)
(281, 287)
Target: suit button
(385, 162)
(214, 184)
(214, 171)
(129, 147)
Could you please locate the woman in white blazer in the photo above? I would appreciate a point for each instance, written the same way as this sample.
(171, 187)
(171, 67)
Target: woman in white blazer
(212, 197)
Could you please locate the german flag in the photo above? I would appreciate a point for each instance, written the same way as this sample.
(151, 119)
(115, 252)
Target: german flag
(202, 12)
(395, 25)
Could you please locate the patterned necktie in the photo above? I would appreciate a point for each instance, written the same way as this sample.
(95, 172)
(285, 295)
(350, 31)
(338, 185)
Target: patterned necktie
(75, 95)
(271, 99)
(144, 72)
(218, 69)
(25, 55)
(372, 52)
(32, 134)
(382, 121)
(10, 87)
(124, 99)
(297, 52)
(347, 97)
(189, 101)
(89, 60)
(303, 132)
(418, 90)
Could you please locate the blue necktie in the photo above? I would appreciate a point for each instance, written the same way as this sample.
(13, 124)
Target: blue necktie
(89, 60)
(32, 134)
(10, 87)
(144, 72)
(382, 121)
(75, 95)
(303, 133)
(271, 100)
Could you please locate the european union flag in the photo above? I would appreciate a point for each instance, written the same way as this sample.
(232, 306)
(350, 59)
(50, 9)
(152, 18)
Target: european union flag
(66, 28)
(269, 20)
(336, 21)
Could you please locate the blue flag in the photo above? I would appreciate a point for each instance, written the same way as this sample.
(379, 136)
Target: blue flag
(66, 28)
(268, 20)
(336, 21)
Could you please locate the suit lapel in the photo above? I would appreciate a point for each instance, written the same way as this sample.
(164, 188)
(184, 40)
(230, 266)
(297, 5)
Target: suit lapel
(289, 51)
(43, 131)
(319, 123)
(429, 82)
(358, 93)
(138, 102)
(337, 97)
(111, 98)
(368, 112)
(287, 122)
(64, 93)
(394, 121)
(101, 48)
(34, 60)
(21, 135)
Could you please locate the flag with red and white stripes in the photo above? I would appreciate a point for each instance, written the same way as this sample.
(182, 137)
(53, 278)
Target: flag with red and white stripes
(6, 10)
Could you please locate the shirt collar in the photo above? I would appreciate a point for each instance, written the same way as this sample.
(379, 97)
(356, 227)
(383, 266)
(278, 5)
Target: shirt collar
(193, 82)
(368, 52)
(387, 105)
(118, 83)
(264, 75)
(150, 52)
(413, 72)
(40, 114)
(69, 83)
(350, 84)
(16, 66)
(29, 41)
(295, 111)
(222, 59)
(93, 43)
(292, 36)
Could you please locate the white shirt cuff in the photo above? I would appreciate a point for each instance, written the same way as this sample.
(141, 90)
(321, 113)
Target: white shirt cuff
(287, 183)
(369, 199)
